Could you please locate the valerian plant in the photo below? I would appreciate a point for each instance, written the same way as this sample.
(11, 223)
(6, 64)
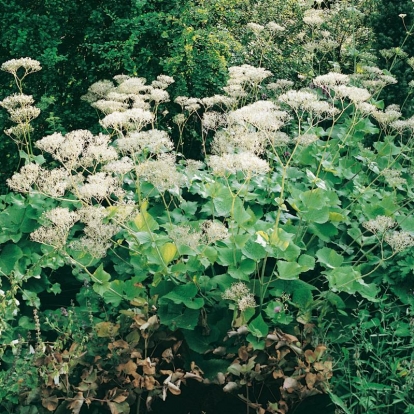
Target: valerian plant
(302, 201)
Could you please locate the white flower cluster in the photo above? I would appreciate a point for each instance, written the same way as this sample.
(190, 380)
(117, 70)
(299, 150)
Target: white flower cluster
(380, 224)
(306, 139)
(122, 166)
(98, 186)
(247, 162)
(214, 231)
(220, 100)
(131, 119)
(98, 229)
(263, 115)
(331, 79)
(161, 173)
(55, 233)
(271, 27)
(254, 27)
(280, 85)
(127, 105)
(393, 177)
(399, 240)
(242, 77)
(238, 139)
(153, 141)
(16, 100)
(299, 100)
(240, 293)
(374, 79)
(391, 114)
(27, 64)
(186, 236)
(22, 112)
(79, 148)
(107, 106)
(402, 125)
(188, 104)
(53, 183)
(314, 17)
(24, 115)
(213, 120)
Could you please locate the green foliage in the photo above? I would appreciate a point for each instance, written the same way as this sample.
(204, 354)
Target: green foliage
(374, 373)
(392, 23)
(127, 268)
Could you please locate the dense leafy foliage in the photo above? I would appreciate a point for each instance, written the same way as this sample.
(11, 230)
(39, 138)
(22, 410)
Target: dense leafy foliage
(270, 268)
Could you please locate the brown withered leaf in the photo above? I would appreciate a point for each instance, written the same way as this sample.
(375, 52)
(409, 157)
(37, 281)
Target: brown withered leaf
(319, 366)
(289, 338)
(148, 369)
(243, 354)
(76, 404)
(89, 376)
(173, 388)
(106, 329)
(220, 351)
(310, 379)
(121, 397)
(50, 403)
(149, 383)
(319, 350)
(195, 369)
(278, 373)
(118, 408)
(290, 384)
(178, 374)
(83, 386)
(190, 375)
(129, 368)
(310, 356)
(120, 343)
(168, 355)
(282, 353)
(176, 346)
(136, 354)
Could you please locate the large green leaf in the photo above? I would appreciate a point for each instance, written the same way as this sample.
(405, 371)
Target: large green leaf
(175, 316)
(288, 270)
(329, 258)
(253, 250)
(258, 327)
(185, 294)
(199, 341)
(343, 279)
(114, 294)
(223, 202)
(9, 256)
(101, 279)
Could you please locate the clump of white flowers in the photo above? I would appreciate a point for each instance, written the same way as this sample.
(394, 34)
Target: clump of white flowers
(214, 231)
(55, 232)
(28, 65)
(185, 235)
(385, 227)
(399, 240)
(240, 293)
(380, 224)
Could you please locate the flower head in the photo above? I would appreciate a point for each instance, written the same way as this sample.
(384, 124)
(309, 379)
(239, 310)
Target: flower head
(27, 64)
(380, 224)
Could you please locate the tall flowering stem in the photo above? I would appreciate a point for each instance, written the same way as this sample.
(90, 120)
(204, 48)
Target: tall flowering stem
(19, 106)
